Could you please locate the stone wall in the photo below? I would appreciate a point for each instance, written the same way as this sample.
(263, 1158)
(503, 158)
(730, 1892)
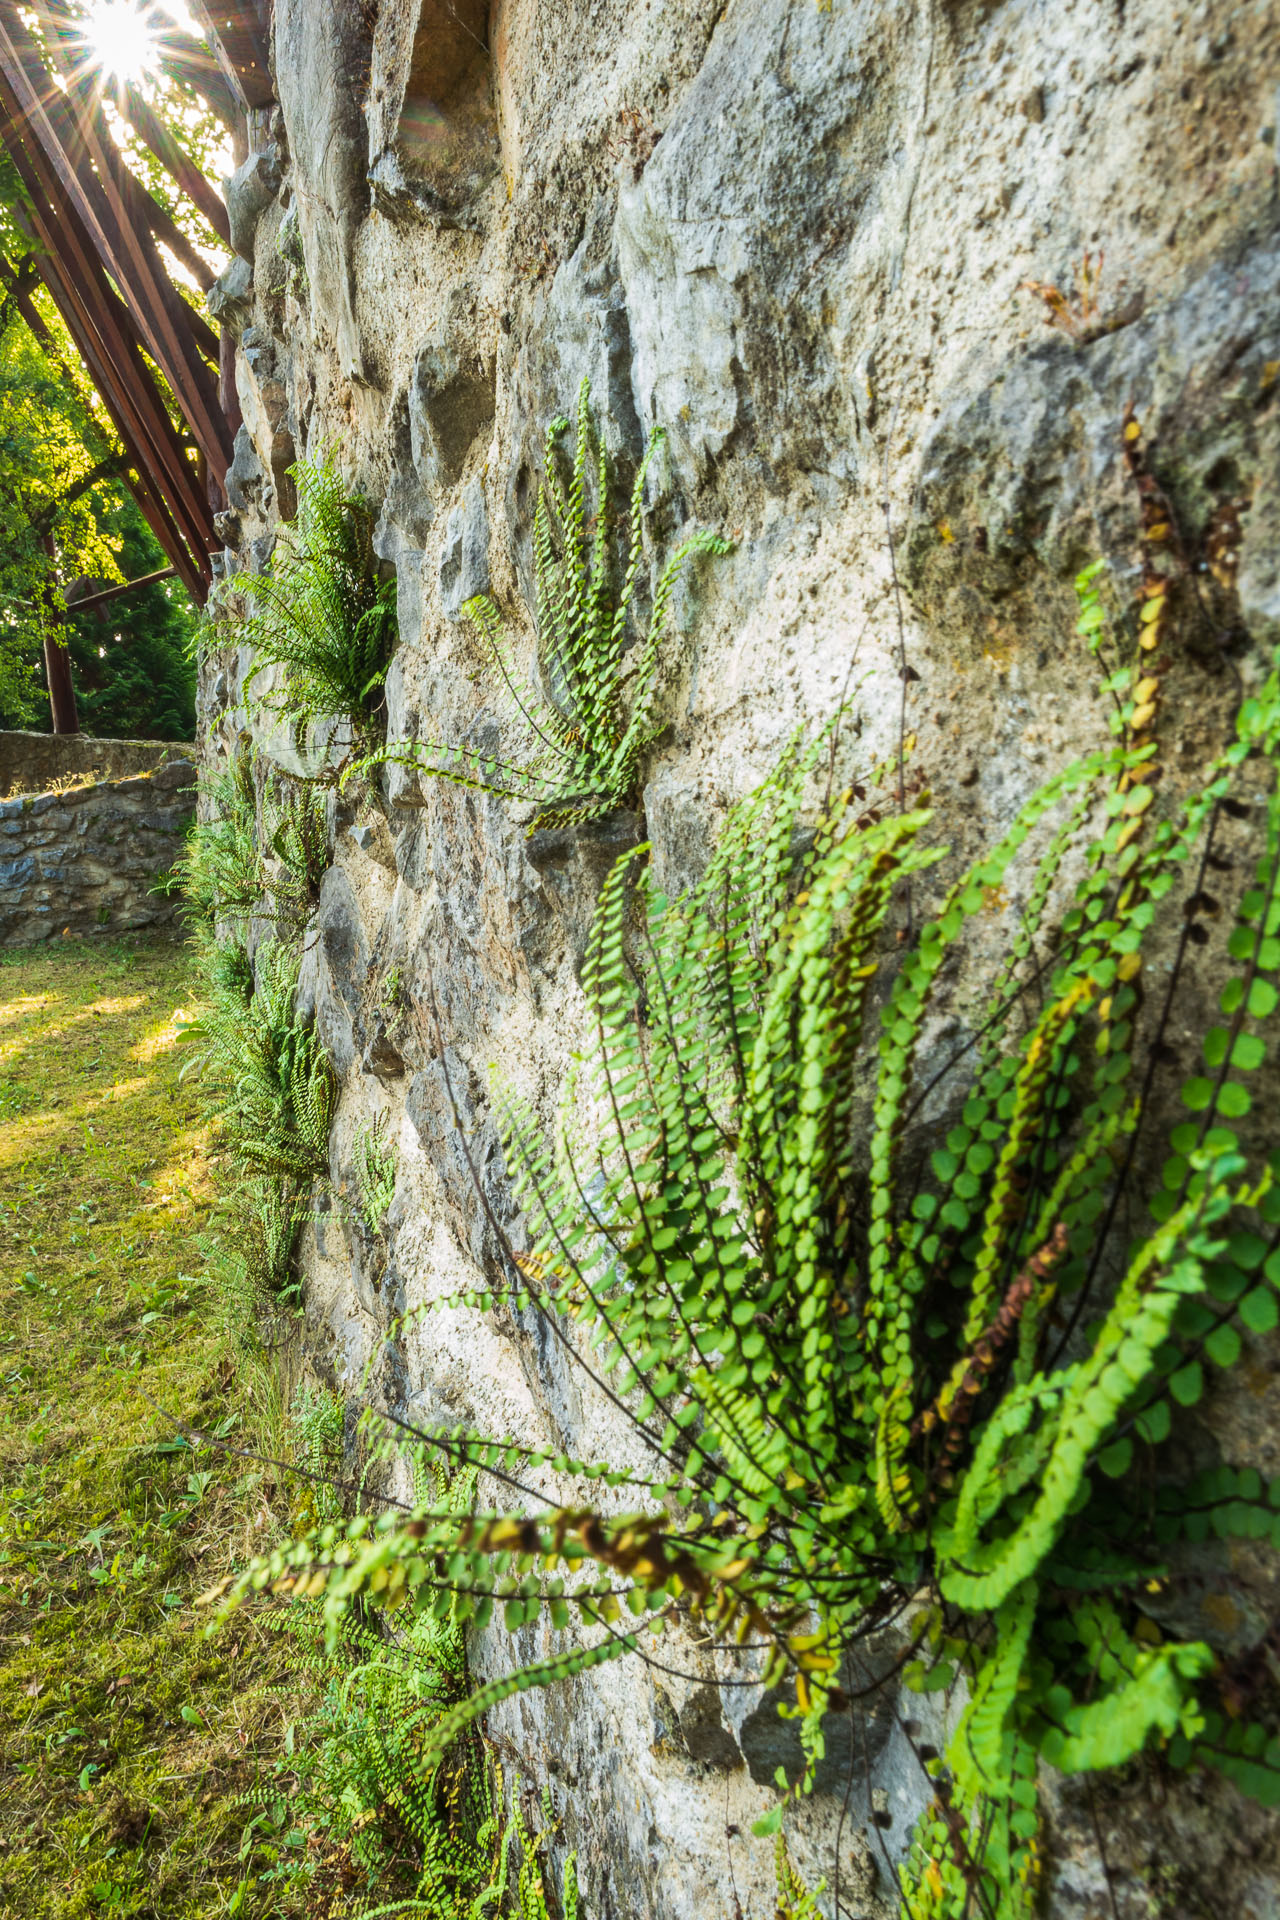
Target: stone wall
(799, 237)
(36, 762)
(84, 860)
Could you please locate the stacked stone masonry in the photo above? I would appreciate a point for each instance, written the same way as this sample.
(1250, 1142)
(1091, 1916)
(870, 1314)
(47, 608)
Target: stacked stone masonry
(86, 860)
(799, 236)
(38, 762)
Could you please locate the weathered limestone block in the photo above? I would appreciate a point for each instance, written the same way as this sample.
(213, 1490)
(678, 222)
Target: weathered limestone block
(433, 147)
(464, 564)
(451, 400)
(320, 61)
(264, 403)
(230, 298)
(249, 192)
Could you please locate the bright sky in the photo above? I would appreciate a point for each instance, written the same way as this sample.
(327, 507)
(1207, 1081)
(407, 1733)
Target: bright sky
(121, 39)
(120, 35)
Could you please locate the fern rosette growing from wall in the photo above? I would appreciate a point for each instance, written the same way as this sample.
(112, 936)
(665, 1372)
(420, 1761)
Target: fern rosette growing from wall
(269, 1090)
(323, 615)
(887, 1323)
(596, 713)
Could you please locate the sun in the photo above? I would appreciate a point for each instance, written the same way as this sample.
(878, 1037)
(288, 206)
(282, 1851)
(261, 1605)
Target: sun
(120, 38)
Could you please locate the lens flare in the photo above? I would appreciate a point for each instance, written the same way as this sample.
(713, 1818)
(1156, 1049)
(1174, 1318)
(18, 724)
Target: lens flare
(120, 39)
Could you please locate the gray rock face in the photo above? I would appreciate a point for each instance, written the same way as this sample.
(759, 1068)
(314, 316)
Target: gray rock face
(268, 421)
(760, 174)
(230, 298)
(320, 59)
(798, 239)
(451, 401)
(433, 146)
(1025, 478)
(251, 189)
(464, 565)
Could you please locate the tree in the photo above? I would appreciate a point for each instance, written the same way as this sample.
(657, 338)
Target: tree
(133, 660)
(56, 453)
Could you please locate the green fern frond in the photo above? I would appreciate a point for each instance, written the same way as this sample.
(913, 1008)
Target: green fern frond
(321, 613)
(590, 723)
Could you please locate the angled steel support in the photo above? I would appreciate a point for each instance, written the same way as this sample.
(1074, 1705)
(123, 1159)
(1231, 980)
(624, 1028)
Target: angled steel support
(239, 32)
(72, 144)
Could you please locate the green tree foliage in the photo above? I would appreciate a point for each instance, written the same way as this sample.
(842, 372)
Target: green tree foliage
(133, 660)
(56, 457)
(61, 469)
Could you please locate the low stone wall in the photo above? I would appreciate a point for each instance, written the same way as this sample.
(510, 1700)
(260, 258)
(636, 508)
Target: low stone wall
(85, 860)
(35, 762)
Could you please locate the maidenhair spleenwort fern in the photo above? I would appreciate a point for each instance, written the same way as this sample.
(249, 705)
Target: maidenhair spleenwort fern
(593, 718)
(891, 1324)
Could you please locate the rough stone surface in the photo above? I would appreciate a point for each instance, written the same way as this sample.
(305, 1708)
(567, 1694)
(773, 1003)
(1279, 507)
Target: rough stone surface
(464, 564)
(33, 762)
(230, 298)
(251, 189)
(85, 858)
(796, 238)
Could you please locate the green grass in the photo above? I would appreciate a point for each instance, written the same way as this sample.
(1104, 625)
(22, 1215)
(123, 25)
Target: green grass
(126, 1735)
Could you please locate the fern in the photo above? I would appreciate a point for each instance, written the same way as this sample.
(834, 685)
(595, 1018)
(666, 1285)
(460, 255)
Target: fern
(590, 723)
(828, 1320)
(322, 614)
(220, 874)
(375, 1161)
(270, 1087)
(397, 1819)
(269, 1091)
(298, 838)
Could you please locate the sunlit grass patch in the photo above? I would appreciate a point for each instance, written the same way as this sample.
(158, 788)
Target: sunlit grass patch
(129, 1736)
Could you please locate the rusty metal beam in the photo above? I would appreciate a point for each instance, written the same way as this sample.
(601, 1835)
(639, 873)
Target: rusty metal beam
(73, 141)
(184, 59)
(166, 487)
(98, 322)
(100, 599)
(239, 35)
(150, 503)
(174, 159)
(167, 231)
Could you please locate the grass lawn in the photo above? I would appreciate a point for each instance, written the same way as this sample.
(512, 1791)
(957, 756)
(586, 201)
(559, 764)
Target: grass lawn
(127, 1738)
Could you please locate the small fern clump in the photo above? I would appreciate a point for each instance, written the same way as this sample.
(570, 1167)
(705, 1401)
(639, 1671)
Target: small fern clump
(270, 1092)
(220, 874)
(298, 839)
(227, 886)
(905, 1338)
(270, 1086)
(375, 1160)
(322, 613)
(591, 722)
(391, 1823)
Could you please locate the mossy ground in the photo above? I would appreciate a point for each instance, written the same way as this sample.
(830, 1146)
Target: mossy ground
(129, 1736)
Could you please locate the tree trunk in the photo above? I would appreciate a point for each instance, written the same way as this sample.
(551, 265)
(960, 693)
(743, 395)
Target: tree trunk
(57, 655)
